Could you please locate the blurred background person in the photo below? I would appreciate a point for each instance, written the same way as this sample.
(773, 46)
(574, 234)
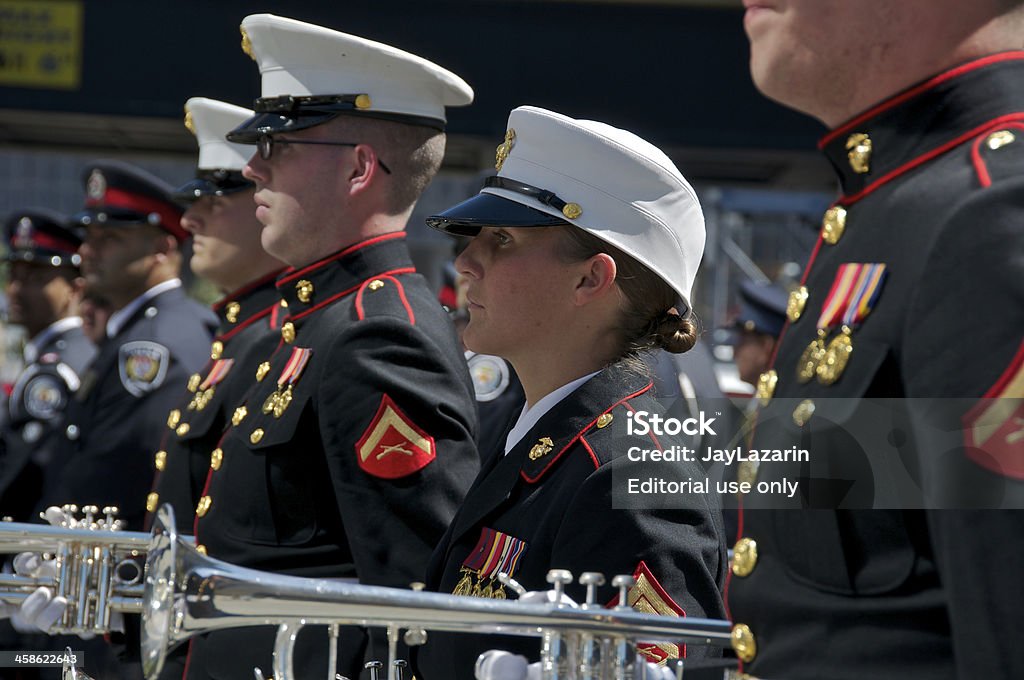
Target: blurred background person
(757, 326)
(155, 338)
(44, 286)
(95, 312)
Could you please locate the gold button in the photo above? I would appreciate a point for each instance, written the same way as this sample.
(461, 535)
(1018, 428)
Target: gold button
(240, 413)
(998, 140)
(744, 557)
(833, 224)
(858, 152)
(803, 412)
(376, 284)
(288, 332)
(363, 101)
(232, 311)
(216, 349)
(572, 210)
(284, 303)
(193, 382)
(603, 420)
(766, 383)
(796, 303)
(151, 501)
(182, 430)
(161, 460)
(204, 506)
(256, 435)
(201, 549)
(743, 642)
(173, 418)
(304, 290)
(216, 458)
(747, 472)
(262, 371)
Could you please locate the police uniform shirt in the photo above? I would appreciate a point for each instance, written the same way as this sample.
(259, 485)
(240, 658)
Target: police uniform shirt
(55, 361)
(933, 190)
(117, 417)
(207, 403)
(355, 450)
(548, 504)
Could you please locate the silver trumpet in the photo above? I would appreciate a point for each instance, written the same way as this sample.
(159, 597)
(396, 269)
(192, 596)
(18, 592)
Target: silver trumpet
(98, 568)
(187, 593)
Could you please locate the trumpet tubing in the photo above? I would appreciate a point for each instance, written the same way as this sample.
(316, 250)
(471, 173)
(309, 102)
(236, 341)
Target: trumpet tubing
(187, 593)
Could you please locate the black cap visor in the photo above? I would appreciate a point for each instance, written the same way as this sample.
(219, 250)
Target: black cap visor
(212, 183)
(488, 210)
(44, 256)
(250, 131)
(114, 217)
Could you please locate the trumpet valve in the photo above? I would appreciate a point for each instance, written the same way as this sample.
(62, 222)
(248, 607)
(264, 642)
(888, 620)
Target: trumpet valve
(69, 515)
(374, 668)
(110, 512)
(559, 578)
(591, 579)
(90, 515)
(623, 582)
(400, 665)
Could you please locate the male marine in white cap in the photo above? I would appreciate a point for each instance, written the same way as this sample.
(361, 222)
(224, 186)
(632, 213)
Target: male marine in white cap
(350, 453)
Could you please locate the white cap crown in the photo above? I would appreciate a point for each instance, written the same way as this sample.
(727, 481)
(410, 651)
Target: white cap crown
(209, 120)
(300, 59)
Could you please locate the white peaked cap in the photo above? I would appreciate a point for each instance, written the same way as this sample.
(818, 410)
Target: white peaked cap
(209, 120)
(604, 180)
(300, 59)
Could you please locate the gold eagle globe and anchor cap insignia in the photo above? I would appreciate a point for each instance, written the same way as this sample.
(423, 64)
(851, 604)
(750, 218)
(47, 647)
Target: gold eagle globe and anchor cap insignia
(504, 149)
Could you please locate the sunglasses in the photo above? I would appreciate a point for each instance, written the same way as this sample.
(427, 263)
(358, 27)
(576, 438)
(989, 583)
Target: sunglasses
(265, 146)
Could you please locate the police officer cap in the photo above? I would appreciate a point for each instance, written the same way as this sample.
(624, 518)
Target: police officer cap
(219, 170)
(553, 170)
(42, 236)
(121, 195)
(762, 308)
(312, 74)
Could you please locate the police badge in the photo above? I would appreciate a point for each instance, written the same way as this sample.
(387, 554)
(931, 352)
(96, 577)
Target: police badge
(143, 366)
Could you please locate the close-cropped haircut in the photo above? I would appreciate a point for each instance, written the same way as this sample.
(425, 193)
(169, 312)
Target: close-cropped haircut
(413, 154)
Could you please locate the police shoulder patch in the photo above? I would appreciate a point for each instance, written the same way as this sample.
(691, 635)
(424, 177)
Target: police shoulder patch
(490, 376)
(143, 366)
(45, 396)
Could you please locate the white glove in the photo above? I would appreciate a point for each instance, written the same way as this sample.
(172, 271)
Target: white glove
(547, 597)
(41, 609)
(497, 664)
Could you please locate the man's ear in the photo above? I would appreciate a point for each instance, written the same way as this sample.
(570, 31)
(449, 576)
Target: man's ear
(363, 168)
(597, 278)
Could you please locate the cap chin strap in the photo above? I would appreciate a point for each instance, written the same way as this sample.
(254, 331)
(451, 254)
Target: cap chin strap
(548, 198)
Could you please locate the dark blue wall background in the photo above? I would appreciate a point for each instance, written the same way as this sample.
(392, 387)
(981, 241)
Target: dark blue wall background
(676, 75)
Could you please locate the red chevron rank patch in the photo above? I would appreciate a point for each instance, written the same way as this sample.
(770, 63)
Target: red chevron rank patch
(649, 597)
(994, 428)
(392, 446)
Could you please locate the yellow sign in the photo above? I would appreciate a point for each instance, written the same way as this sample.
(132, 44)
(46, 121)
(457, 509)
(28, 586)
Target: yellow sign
(41, 43)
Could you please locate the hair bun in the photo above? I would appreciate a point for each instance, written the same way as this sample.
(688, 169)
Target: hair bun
(675, 333)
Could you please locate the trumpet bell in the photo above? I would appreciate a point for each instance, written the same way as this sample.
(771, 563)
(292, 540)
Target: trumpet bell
(162, 568)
